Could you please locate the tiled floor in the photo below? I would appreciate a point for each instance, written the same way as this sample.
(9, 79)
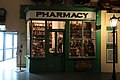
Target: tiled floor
(8, 71)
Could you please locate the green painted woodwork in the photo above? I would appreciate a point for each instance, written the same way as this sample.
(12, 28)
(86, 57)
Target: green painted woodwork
(27, 63)
(69, 66)
(55, 63)
(98, 21)
(59, 63)
(58, 8)
(97, 60)
(50, 60)
(37, 65)
(67, 40)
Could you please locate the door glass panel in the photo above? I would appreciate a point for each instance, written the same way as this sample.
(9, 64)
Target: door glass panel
(14, 53)
(56, 42)
(56, 25)
(52, 42)
(15, 41)
(1, 40)
(8, 54)
(8, 40)
(60, 42)
(10, 44)
(1, 46)
(1, 55)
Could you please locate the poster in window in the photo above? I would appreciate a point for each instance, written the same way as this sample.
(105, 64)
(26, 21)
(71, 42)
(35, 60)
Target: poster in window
(110, 37)
(110, 56)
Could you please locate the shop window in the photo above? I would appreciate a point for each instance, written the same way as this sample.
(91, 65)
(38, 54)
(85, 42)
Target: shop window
(82, 39)
(38, 39)
(38, 48)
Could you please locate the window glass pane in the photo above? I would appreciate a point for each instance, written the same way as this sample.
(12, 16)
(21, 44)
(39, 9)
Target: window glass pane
(38, 30)
(1, 55)
(8, 40)
(56, 25)
(76, 48)
(1, 40)
(60, 42)
(89, 30)
(89, 48)
(8, 53)
(52, 42)
(38, 48)
(75, 29)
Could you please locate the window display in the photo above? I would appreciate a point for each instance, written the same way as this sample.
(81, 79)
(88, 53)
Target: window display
(82, 39)
(76, 29)
(38, 48)
(76, 48)
(38, 39)
(89, 48)
(38, 29)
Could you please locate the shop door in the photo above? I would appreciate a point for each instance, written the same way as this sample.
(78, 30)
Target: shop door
(55, 57)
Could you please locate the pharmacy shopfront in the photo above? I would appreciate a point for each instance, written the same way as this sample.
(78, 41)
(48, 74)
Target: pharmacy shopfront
(62, 40)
